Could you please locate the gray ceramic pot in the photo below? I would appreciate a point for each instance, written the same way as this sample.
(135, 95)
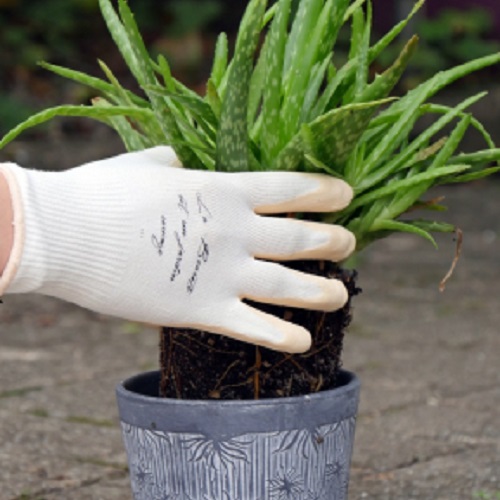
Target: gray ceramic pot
(291, 448)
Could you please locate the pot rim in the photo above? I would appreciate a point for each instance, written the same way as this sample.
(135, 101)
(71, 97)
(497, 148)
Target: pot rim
(229, 418)
(351, 382)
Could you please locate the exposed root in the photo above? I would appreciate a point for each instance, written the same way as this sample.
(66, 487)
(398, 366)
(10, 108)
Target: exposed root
(458, 252)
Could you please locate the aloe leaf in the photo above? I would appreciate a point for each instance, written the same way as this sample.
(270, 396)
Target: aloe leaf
(361, 223)
(166, 74)
(473, 176)
(319, 165)
(361, 33)
(312, 33)
(129, 41)
(406, 198)
(92, 82)
(386, 40)
(338, 132)
(232, 150)
(406, 183)
(434, 226)
(337, 87)
(213, 99)
(96, 113)
(357, 28)
(256, 89)
(313, 90)
(452, 143)
(336, 20)
(324, 103)
(478, 157)
(442, 109)
(145, 72)
(291, 155)
(274, 61)
(403, 227)
(373, 176)
(219, 66)
(269, 15)
(121, 39)
(300, 34)
(443, 79)
(173, 92)
(145, 75)
(384, 83)
(353, 8)
(362, 55)
(122, 96)
(132, 139)
(195, 104)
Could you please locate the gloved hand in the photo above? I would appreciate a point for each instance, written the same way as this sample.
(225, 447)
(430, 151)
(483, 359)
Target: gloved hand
(137, 237)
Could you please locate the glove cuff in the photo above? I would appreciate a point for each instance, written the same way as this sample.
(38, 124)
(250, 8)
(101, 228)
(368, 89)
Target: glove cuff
(69, 228)
(13, 263)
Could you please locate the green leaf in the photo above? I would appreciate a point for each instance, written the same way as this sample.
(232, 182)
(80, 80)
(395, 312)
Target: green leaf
(406, 198)
(473, 176)
(275, 56)
(92, 82)
(144, 69)
(325, 103)
(232, 150)
(213, 99)
(387, 39)
(195, 104)
(337, 132)
(362, 55)
(384, 83)
(327, 46)
(313, 29)
(127, 38)
(452, 143)
(402, 227)
(434, 226)
(478, 157)
(256, 89)
(392, 138)
(291, 155)
(132, 139)
(122, 40)
(166, 74)
(442, 109)
(360, 44)
(219, 66)
(96, 113)
(443, 79)
(319, 165)
(406, 183)
(316, 81)
(303, 26)
(353, 8)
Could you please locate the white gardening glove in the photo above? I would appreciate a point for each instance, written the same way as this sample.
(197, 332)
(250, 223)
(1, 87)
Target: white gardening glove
(137, 237)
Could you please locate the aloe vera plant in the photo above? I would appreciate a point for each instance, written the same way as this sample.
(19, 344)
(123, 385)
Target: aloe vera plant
(280, 103)
(286, 106)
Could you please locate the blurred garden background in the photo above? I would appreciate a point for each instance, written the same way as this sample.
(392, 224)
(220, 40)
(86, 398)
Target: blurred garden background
(72, 33)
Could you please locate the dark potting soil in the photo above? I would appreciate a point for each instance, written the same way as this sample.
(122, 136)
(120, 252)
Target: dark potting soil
(201, 365)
